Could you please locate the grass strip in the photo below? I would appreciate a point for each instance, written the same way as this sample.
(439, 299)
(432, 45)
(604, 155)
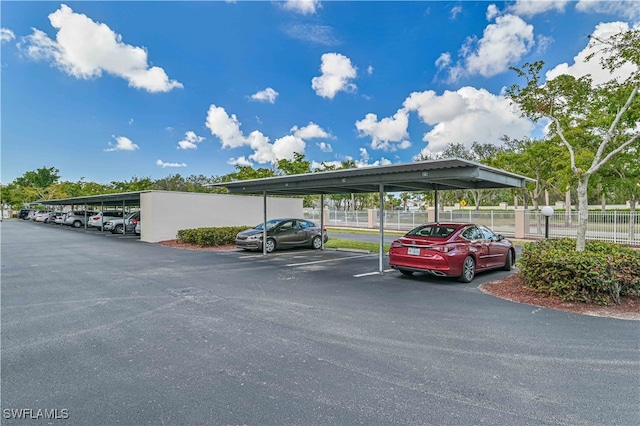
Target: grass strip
(338, 243)
(363, 231)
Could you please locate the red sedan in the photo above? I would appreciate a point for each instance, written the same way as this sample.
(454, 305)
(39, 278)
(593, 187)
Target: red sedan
(451, 250)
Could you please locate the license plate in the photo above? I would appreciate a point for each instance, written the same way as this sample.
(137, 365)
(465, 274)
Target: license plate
(414, 251)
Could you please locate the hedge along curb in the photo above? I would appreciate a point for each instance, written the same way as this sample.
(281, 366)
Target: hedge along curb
(600, 274)
(209, 237)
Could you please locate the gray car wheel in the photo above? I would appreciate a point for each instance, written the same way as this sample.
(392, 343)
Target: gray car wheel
(468, 270)
(77, 224)
(316, 243)
(117, 230)
(271, 245)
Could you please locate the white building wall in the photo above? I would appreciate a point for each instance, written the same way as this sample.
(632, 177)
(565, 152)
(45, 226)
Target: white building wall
(163, 213)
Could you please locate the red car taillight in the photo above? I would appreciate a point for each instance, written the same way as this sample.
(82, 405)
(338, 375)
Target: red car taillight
(95, 218)
(443, 249)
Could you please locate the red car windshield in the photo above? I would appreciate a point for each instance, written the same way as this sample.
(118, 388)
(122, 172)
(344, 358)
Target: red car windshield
(434, 231)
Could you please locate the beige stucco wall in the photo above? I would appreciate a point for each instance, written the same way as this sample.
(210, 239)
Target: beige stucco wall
(163, 213)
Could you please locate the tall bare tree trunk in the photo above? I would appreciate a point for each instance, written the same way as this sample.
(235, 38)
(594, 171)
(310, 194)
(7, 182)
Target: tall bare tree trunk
(583, 212)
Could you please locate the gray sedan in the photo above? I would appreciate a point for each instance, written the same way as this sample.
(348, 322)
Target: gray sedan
(283, 233)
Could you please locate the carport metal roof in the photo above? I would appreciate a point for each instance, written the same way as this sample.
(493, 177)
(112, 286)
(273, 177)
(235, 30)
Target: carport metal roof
(431, 175)
(126, 198)
(445, 174)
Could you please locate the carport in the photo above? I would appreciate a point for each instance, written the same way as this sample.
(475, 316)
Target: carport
(431, 175)
(120, 200)
(166, 212)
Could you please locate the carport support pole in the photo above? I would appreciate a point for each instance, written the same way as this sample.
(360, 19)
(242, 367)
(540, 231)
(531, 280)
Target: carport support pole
(381, 255)
(101, 216)
(264, 223)
(322, 221)
(435, 203)
(85, 216)
(124, 225)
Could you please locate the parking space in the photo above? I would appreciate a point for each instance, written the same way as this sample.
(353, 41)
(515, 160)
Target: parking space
(124, 332)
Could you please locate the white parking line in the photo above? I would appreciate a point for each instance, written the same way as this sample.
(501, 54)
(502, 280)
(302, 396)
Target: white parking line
(327, 260)
(366, 274)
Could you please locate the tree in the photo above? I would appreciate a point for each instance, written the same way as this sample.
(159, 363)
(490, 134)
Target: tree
(593, 122)
(134, 185)
(39, 180)
(481, 153)
(299, 165)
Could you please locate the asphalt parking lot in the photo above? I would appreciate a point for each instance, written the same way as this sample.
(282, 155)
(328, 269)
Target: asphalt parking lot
(117, 331)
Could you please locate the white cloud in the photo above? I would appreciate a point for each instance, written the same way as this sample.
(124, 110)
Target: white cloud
(386, 132)
(369, 70)
(501, 45)
(444, 60)
(337, 73)
(310, 131)
(319, 34)
(581, 68)
(455, 11)
(85, 49)
(266, 95)
(303, 7)
(122, 144)
(492, 12)
(324, 147)
(465, 116)
(130, 121)
(6, 35)
(240, 161)
(190, 141)
(282, 148)
(365, 157)
(226, 128)
(629, 9)
(530, 8)
(164, 165)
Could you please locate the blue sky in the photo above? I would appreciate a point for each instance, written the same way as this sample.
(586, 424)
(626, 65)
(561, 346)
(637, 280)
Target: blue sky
(111, 90)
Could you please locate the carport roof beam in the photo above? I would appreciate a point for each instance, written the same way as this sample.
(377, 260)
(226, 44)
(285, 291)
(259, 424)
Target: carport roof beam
(451, 173)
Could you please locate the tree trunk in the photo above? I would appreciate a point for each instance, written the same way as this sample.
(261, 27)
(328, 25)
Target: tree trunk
(583, 212)
(567, 208)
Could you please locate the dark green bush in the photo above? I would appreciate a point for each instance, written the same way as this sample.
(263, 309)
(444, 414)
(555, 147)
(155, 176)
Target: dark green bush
(210, 236)
(600, 274)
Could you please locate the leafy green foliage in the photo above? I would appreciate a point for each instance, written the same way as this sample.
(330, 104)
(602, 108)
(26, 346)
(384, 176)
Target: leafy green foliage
(600, 274)
(209, 237)
(594, 122)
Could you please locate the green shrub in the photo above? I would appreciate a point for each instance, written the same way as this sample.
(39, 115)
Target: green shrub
(600, 274)
(210, 236)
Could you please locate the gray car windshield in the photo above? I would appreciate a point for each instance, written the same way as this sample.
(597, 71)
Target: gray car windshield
(270, 225)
